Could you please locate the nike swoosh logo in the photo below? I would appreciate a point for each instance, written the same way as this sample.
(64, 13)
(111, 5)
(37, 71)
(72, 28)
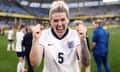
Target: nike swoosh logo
(50, 44)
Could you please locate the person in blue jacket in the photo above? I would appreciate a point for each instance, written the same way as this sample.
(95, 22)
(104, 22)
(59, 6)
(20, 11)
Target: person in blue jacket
(100, 43)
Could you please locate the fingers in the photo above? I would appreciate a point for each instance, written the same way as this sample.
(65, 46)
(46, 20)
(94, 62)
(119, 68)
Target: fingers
(38, 28)
(81, 33)
(81, 29)
(37, 31)
(42, 27)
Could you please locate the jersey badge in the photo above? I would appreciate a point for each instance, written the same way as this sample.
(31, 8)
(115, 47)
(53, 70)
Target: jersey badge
(70, 44)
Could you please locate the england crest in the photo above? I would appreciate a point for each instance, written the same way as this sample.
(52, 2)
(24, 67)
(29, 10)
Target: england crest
(70, 44)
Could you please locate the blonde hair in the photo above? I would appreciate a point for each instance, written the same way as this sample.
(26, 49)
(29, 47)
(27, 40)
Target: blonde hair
(77, 22)
(98, 21)
(59, 6)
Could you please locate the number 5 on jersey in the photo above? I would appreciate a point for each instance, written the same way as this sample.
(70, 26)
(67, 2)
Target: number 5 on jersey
(60, 57)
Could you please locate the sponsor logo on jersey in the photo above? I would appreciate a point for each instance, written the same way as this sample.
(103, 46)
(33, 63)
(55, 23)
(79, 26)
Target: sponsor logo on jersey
(50, 44)
(70, 44)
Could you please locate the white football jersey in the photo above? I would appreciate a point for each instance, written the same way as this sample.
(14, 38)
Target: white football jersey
(60, 54)
(10, 34)
(19, 38)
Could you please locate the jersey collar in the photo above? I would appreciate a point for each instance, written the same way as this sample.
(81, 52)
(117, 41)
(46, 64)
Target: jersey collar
(54, 34)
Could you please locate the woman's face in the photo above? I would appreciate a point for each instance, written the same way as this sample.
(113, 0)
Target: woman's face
(59, 23)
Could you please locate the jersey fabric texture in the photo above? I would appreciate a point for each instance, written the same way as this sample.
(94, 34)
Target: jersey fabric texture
(10, 34)
(19, 38)
(60, 53)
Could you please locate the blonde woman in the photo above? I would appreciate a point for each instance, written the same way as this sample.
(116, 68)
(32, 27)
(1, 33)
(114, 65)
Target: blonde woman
(59, 44)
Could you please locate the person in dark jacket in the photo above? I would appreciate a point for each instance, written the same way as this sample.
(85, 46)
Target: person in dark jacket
(27, 43)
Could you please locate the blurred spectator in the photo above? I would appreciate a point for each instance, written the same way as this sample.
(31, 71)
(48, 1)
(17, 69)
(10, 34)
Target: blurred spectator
(100, 46)
(118, 21)
(27, 43)
(10, 39)
(19, 50)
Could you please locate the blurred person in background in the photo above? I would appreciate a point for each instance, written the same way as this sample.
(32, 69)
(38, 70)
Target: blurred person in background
(85, 56)
(19, 50)
(27, 43)
(118, 21)
(100, 44)
(10, 39)
(2, 31)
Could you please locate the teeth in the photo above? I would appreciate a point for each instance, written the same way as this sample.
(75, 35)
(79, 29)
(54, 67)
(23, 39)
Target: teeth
(60, 28)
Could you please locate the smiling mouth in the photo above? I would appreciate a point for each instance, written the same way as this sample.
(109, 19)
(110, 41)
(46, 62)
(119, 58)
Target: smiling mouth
(60, 28)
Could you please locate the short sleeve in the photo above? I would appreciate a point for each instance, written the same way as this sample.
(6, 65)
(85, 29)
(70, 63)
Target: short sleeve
(77, 39)
(42, 39)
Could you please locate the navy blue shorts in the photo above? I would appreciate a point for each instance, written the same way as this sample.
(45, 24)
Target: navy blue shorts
(10, 40)
(20, 54)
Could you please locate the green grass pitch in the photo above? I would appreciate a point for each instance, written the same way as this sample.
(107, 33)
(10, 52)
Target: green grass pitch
(8, 60)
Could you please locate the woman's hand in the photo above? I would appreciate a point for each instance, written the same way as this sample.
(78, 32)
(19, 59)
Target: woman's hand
(82, 30)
